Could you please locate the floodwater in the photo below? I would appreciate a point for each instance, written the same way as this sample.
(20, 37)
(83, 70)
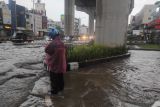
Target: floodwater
(20, 67)
(128, 82)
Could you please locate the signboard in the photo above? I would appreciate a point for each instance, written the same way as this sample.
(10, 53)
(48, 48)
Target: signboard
(137, 32)
(6, 16)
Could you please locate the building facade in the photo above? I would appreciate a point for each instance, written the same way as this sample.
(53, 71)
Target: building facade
(50, 23)
(29, 25)
(144, 16)
(155, 23)
(40, 19)
(83, 30)
(40, 8)
(21, 16)
(77, 23)
(35, 23)
(36, 20)
(33, 20)
(12, 7)
(146, 24)
(5, 19)
(1, 19)
(44, 22)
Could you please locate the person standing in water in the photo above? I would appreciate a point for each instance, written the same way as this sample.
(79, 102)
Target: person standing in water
(56, 61)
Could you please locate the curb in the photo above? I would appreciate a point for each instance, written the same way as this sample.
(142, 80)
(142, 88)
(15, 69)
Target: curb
(146, 49)
(76, 65)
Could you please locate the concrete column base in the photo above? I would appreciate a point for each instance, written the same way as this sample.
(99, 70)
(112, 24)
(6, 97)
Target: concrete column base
(69, 17)
(91, 24)
(111, 22)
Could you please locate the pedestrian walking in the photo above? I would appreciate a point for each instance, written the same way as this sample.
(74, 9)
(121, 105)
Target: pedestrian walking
(56, 61)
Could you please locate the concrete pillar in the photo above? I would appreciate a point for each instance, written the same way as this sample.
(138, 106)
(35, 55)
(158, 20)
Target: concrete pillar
(69, 17)
(91, 24)
(111, 22)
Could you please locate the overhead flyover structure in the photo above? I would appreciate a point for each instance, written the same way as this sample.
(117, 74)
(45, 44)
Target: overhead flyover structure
(111, 19)
(89, 7)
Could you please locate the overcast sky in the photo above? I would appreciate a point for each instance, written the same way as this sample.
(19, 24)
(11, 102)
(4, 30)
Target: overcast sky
(56, 7)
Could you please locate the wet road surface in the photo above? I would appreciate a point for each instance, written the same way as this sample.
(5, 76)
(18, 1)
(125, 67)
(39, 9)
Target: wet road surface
(20, 67)
(129, 82)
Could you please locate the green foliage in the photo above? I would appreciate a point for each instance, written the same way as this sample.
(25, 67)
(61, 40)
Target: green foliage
(60, 30)
(150, 46)
(84, 52)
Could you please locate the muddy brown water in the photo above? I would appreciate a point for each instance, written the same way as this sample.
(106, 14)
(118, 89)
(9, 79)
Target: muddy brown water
(129, 82)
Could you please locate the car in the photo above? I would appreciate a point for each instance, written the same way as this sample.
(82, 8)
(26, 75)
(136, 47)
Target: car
(22, 36)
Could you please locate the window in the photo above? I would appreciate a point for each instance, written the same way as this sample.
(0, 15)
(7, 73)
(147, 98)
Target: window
(27, 23)
(27, 16)
(149, 18)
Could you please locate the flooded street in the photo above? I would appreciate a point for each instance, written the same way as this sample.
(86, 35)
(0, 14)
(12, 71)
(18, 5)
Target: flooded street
(129, 82)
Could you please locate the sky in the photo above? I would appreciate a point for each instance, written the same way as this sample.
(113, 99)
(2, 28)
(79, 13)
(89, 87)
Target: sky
(55, 8)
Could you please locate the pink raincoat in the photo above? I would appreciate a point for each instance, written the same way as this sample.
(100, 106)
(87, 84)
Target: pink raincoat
(56, 56)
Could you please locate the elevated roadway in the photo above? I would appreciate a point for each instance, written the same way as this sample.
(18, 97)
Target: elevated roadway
(111, 19)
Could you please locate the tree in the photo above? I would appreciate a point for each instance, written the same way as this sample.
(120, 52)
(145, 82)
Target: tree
(60, 30)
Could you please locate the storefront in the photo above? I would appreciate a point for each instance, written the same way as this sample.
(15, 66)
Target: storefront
(43, 32)
(7, 29)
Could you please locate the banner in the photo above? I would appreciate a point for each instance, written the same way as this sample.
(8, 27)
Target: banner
(6, 15)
